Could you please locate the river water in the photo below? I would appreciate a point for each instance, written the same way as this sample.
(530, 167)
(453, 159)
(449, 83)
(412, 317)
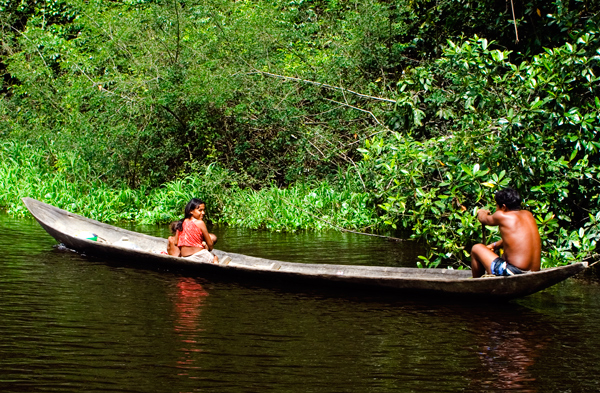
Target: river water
(75, 324)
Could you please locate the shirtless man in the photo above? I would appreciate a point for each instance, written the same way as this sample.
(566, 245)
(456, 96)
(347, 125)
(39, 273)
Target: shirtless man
(520, 239)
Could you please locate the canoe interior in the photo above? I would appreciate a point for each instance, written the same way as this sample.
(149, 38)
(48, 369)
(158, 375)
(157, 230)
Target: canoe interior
(65, 226)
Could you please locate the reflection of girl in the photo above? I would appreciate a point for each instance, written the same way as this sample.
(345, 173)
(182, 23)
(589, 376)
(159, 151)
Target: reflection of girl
(189, 302)
(191, 239)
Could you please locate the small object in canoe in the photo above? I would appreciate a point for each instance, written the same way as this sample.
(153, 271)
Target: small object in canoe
(87, 235)
(126, 243)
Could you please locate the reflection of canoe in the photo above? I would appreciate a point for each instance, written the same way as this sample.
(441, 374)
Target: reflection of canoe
(65, 228)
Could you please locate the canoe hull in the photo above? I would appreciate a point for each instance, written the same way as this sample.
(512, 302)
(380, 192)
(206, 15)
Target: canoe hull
(64, 227)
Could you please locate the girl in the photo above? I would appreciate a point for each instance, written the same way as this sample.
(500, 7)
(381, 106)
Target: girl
(192, 240)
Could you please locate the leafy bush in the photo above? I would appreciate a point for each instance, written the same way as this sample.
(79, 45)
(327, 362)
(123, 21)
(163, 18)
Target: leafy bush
(476, 122)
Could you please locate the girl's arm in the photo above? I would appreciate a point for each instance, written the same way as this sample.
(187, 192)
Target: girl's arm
(202, 226)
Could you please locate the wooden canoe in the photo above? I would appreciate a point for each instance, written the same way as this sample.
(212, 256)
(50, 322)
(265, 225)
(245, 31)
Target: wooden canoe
(67, 227)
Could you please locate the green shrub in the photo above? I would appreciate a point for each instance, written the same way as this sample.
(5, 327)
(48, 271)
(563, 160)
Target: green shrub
(476, 122)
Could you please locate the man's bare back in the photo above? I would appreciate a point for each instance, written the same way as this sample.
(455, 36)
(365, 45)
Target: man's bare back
(519, 234)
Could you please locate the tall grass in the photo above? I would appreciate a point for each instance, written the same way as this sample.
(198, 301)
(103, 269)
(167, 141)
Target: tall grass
(299, 207)
(64, 181)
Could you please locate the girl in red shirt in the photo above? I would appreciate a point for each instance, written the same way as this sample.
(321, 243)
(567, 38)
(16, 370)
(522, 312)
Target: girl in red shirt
(191, 239)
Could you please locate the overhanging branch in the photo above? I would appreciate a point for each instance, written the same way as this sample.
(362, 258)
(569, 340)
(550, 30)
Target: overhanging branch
(324, 85)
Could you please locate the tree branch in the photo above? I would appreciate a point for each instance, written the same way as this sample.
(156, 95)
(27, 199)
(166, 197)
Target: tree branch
(323, 85)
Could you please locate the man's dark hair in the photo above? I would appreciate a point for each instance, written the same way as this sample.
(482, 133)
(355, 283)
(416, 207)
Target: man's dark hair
(508, 197)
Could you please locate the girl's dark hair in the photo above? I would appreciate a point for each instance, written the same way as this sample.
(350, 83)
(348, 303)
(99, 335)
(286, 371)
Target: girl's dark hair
(192, 205)
(508, 197)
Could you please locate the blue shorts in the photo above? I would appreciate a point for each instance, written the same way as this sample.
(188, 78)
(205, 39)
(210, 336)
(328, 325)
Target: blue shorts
(502, 268)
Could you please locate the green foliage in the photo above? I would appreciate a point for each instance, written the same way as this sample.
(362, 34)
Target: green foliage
(24, 172)
(375, 105)
(299, 207)
(486, 124)
(66, 183)
(143, 89)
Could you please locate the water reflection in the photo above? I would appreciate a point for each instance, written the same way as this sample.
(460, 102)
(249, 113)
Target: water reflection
(508, 344)
(189, 301)
(71, 324)
(508, 357)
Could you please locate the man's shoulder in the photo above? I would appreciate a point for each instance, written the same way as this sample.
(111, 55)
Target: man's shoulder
(507, 216)
(515, 216)
(524, 214)
(515, 212)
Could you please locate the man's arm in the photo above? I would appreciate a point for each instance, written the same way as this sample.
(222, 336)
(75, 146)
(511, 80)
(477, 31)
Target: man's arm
(483, 215)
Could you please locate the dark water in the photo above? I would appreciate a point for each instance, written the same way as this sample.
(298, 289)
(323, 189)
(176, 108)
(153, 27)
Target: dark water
(71, 324)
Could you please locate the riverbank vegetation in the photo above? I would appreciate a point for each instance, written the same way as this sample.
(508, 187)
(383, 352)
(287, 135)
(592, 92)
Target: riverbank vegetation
(301, 114)
(24, 172)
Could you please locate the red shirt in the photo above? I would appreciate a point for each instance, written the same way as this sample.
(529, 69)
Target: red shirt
(191, 235)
